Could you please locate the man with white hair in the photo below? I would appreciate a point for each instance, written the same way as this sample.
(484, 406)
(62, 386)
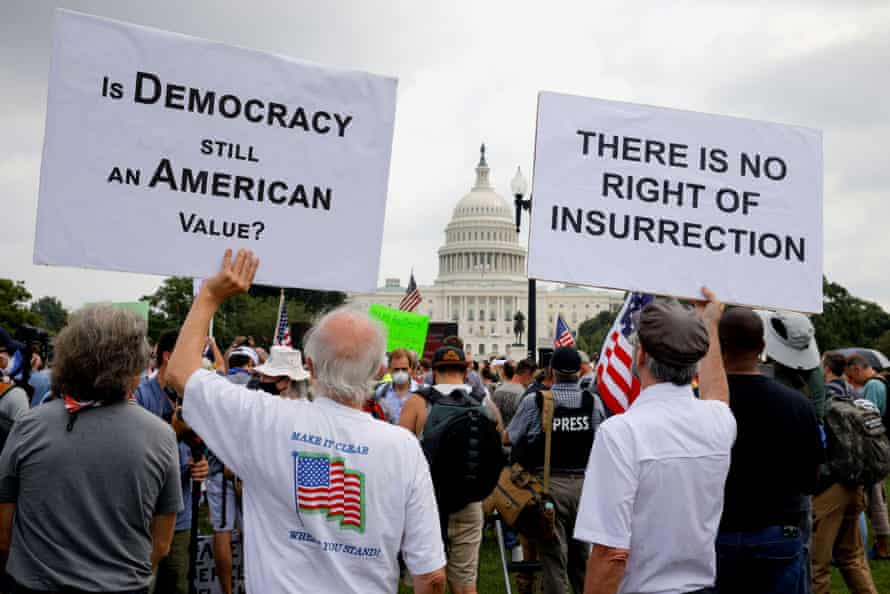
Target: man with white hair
(330, 495)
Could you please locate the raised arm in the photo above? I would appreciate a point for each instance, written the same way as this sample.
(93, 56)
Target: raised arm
(233, 278)
(712, 375)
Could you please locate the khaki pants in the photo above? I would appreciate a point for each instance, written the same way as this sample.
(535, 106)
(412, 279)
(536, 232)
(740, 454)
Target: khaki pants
(464, 538)
(836, 532)
(564, 559)
(877, 510)
(172, 573)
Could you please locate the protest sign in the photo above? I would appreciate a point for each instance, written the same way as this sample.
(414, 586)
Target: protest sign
(140, 308)
(404, 329)
(161, 150)
(206, 581)
(665, 201)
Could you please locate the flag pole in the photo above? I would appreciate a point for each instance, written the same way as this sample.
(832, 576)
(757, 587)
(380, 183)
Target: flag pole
(278, 318)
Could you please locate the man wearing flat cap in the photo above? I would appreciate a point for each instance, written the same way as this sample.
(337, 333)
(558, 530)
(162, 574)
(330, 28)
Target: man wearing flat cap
(653, 495)
(577, 414)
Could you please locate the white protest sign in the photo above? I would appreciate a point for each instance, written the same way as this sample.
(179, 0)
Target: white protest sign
(206, 580)
(664, 201)
(162, 150)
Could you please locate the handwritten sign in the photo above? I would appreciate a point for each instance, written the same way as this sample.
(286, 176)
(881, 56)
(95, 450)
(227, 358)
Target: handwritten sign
(405, 330)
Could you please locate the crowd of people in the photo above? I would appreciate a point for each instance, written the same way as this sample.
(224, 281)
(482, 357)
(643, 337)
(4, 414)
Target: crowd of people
(746, 464)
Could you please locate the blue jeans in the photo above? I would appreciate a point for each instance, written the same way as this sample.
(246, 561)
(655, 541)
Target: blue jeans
(768, 561)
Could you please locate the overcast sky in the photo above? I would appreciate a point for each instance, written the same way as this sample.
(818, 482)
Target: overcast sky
(470, 71)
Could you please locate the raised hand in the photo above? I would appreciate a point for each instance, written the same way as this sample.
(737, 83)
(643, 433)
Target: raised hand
(233, 278)
(710, 309)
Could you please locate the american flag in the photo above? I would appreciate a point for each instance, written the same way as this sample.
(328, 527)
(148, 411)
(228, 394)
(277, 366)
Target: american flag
(282, 332)
(326, 486)
(615, 383)
(412, 296)
(563, 336)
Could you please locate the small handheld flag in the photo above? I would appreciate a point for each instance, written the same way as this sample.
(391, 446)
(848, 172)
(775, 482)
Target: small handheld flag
(563, 336)
(412, 296)
(282, 330)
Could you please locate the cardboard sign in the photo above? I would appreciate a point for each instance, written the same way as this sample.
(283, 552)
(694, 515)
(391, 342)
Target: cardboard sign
(404, 329)
(206, 581)
(162, 150)
(665, 201)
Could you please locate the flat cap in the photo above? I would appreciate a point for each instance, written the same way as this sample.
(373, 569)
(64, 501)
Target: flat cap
(673, 334)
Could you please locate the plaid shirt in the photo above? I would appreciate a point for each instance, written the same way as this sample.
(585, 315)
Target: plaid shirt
(526, 423)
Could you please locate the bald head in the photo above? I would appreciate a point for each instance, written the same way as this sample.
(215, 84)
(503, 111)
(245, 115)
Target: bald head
(345, 350)
(741, 336)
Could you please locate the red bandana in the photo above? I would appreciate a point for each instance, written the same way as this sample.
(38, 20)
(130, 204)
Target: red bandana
(75, 406)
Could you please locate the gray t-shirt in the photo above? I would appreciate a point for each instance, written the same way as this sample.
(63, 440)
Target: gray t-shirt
(13, 404)
(507, 398)
(85, 498)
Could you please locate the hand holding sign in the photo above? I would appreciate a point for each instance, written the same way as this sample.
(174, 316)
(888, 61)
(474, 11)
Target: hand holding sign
(233, 278)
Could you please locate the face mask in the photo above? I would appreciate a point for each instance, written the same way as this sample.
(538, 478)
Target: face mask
(270, 387)
(401, 378)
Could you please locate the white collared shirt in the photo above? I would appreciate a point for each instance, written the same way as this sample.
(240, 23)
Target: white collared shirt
(654, 485)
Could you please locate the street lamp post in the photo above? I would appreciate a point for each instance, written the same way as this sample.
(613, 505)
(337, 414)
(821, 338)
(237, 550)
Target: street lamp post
(519, 187)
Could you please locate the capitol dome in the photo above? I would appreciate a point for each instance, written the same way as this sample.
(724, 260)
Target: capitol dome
(481, 242)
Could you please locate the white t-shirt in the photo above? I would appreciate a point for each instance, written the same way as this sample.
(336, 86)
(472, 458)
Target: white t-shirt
(654, 485)
(330, 494)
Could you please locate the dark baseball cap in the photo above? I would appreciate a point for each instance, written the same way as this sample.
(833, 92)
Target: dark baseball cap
(566, 360)
(672, 333)
(450, 356)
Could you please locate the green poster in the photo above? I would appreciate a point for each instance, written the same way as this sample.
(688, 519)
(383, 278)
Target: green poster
(140, 307)
(404, 329)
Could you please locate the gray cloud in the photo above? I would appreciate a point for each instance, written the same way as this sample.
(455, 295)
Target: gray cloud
(471, 72)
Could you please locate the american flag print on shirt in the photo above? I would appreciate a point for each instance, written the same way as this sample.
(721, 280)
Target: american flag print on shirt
(615, 383)
(325, 486)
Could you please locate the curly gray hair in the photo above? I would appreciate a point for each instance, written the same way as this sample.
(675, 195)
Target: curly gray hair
(100, 354)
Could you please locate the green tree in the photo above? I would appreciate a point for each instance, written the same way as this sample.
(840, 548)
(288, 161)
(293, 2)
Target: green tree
(13, 305)
(592, 333)
(53, 315)
(847, 320)
(254, 314)
(883, 343)
(169, 305)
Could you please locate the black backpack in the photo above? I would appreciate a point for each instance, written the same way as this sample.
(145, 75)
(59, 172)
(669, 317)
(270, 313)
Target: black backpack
(858, 449)
(463, 447)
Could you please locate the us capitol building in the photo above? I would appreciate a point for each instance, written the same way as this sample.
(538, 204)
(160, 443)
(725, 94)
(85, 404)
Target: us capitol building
(482, 280)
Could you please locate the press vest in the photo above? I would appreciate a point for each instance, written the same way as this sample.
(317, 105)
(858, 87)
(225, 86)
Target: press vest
(572, 438)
